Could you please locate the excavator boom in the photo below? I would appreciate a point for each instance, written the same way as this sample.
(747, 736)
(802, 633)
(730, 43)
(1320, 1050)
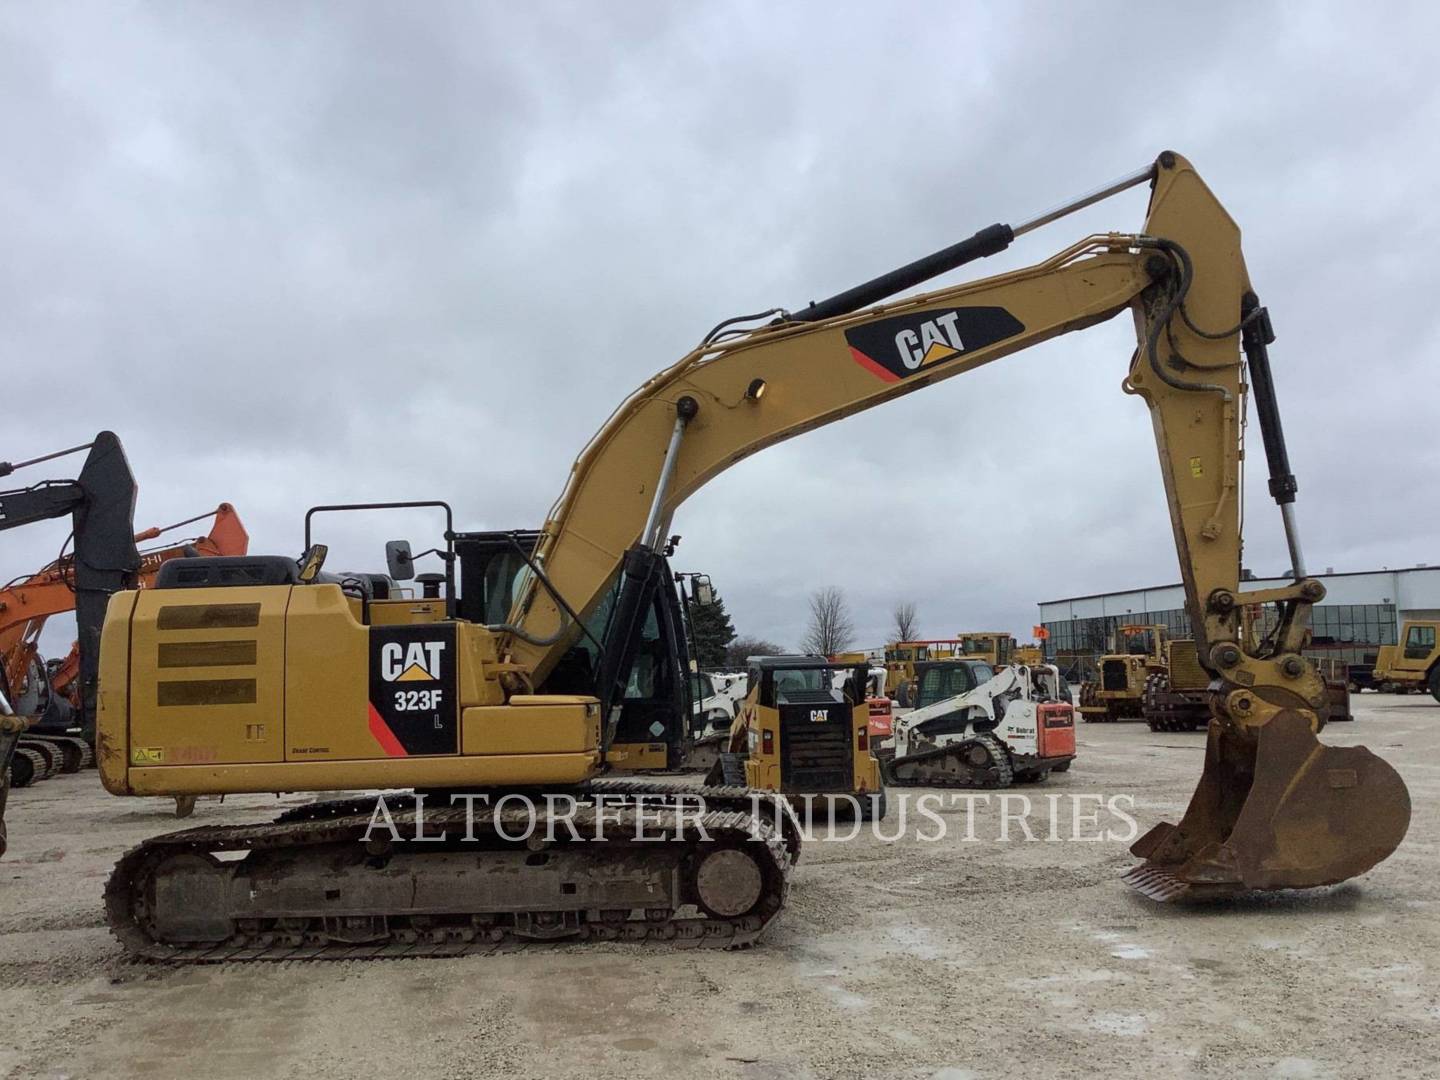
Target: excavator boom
(1275, 808)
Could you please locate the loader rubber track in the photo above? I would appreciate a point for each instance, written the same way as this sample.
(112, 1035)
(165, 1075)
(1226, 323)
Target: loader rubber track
(325, 831)
(959, 774)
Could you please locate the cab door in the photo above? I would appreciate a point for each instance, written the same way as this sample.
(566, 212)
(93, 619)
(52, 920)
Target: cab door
(657, 705)
(1418, 647)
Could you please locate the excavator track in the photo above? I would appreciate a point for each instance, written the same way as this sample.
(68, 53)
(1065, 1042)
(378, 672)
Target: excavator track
(75, 753)
(29, 766)
(947, 766)
(774, 807)
(308, 886)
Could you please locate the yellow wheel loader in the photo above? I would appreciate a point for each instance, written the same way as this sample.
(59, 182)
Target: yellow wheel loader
(1414, 664)
(509, 684)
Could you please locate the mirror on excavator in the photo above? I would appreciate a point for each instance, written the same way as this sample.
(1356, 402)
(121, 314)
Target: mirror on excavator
(399, 562)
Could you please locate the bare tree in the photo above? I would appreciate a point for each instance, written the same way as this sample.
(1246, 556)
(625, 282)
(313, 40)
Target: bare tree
(906, 624)
(739, 650)
(831, 629)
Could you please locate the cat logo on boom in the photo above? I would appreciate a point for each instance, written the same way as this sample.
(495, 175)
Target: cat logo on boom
(937, 339)
(411, 661)
(897, 348)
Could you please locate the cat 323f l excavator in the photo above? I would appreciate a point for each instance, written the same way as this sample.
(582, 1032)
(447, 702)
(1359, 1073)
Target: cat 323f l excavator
(276, 681)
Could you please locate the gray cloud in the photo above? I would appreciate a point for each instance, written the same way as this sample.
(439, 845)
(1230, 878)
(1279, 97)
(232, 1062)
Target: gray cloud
(297, 254)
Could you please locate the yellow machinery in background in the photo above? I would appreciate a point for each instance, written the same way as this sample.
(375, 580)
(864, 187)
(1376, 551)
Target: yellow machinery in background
(1414, 664)
(1031, 654)
(804, 731)
(902, 656)
(1119, 691)
(1177, 698)
(512, 678)
(995, 649)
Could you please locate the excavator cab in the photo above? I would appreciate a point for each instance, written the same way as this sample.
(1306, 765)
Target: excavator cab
(650, 730)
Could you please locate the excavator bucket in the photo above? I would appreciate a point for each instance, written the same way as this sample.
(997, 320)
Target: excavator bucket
(1275, 809)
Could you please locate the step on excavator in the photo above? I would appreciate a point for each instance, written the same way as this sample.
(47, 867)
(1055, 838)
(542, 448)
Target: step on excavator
(270, 678)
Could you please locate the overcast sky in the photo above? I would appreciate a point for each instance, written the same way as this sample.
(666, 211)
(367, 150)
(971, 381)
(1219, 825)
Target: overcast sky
(304, 253)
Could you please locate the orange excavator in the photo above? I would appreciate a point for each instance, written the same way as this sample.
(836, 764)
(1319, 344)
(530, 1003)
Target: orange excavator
(50, 693)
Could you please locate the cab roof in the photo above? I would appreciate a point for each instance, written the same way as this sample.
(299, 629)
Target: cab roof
(783, 663)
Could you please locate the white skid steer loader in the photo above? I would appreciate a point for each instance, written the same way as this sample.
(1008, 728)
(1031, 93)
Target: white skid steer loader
(976, 727)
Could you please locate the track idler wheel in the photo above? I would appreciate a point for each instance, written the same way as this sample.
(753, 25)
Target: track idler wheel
(1275, 809)
(728, 882)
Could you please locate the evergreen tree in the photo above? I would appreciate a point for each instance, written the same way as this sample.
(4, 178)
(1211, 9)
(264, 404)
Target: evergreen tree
(713, 632)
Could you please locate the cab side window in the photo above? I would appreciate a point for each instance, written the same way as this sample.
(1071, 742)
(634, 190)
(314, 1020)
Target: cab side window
(647, 675)
(1419, 642)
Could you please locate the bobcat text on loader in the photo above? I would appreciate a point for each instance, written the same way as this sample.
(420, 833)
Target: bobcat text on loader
(266, 679)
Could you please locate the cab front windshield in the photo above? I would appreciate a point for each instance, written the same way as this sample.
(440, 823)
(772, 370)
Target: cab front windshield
(1140, 642)
(947, 680)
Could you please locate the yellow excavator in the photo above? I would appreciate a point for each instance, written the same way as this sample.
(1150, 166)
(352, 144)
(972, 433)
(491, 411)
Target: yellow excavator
(262, 676)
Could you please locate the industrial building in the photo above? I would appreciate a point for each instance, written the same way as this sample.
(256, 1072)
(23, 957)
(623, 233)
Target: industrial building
(1361, 611)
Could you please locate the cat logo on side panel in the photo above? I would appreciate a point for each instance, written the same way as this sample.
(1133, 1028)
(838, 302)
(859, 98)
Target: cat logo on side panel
(413, 661)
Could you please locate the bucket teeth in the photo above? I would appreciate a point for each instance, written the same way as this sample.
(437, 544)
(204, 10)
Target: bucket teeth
(1159, 885)
(1166, 886)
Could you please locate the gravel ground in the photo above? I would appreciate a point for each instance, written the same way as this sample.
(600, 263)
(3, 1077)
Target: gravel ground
(910, 958)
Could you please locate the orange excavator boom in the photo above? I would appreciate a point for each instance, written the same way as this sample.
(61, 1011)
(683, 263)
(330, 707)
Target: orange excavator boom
(27, 603)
